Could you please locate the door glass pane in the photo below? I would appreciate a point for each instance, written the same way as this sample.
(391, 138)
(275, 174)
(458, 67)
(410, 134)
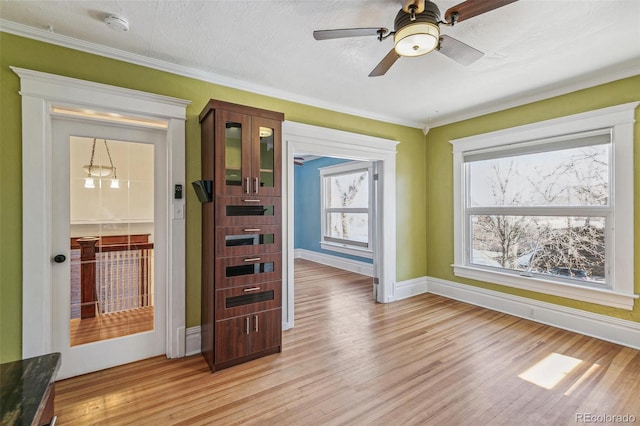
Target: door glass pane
(233, 153)
(111, 186)
(267, 157)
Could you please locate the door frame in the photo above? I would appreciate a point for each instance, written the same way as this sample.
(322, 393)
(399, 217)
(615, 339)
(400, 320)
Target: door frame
(321, 141)
(41, 93)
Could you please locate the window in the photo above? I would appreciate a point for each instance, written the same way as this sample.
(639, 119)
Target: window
(548, 207)
(346, 203)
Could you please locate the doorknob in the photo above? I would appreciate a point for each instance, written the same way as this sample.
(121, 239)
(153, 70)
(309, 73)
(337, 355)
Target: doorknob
(59, 258)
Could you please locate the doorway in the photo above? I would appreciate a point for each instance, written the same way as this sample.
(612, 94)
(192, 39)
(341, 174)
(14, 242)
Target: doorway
(320, 141)
(108, 301)
(46, 98)
(334, 212)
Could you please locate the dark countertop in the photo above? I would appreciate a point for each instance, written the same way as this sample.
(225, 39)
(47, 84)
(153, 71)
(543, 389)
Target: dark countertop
(23, 385)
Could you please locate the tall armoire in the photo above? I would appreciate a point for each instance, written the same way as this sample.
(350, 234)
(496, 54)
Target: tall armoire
(241, 233)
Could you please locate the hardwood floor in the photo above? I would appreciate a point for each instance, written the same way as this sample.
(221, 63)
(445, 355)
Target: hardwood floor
(426, 360)
(108, 326)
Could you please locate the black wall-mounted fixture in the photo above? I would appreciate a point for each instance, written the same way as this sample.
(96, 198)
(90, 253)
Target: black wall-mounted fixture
(204, 190)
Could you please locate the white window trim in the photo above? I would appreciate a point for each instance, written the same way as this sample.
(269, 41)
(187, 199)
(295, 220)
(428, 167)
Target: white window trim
(620, 119)
(345, 247)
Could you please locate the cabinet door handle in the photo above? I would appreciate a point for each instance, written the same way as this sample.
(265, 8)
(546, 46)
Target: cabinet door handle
(246, 290)
(256, 322)
(252, 230)
(257, 183)
(252, 259)
(246, 188)
(251, 201)
(246, 325)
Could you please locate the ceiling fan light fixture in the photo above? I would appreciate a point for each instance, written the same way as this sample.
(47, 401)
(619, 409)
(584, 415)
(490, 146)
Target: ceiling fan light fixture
(417, 39)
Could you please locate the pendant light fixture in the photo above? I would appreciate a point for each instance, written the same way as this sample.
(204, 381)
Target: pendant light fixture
(100, 171)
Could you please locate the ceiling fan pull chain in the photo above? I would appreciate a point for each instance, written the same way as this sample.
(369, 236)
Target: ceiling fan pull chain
(416, 5)
(412, 12)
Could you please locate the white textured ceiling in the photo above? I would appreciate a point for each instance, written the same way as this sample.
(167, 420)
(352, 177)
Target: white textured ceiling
(533, 49)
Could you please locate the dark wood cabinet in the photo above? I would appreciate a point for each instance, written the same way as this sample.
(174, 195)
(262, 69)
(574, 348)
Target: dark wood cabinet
(241, 234)
(247, 150)
(247, 337)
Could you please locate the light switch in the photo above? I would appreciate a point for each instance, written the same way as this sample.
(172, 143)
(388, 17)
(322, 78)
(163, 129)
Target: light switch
(178, 211)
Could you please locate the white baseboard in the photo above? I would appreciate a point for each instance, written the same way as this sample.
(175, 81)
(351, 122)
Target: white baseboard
(410, 288)
(356, 266)
(603, 327)
(193, 341)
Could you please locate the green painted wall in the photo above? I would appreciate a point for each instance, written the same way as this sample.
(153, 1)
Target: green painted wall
(440, 179)
(35, 55)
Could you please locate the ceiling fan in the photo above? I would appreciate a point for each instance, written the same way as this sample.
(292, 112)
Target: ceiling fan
(417, 31)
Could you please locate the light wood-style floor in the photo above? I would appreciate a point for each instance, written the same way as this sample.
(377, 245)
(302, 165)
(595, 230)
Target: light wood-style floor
(109, 326)
(426, 360)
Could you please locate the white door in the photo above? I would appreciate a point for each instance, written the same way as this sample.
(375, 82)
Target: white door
(111, 207)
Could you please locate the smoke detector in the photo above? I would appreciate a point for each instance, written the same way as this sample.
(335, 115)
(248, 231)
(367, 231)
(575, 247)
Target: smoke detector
(117, 23)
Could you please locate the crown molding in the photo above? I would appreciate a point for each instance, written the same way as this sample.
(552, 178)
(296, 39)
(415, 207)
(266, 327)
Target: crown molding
(606, 75)
(109, 52)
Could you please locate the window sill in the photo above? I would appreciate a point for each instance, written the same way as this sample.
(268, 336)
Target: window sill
(345, 249)
(598, 296)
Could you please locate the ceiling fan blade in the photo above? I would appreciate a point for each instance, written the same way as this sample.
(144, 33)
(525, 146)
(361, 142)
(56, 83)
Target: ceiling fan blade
(385, 64)
(348, 32)
(459, 51)
(471, 8)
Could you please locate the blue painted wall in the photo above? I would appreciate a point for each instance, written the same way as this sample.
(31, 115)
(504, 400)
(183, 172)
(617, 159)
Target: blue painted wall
(306, 207)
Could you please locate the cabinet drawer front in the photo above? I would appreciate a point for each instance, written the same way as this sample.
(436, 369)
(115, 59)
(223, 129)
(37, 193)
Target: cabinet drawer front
(237, 301)
(248, 210)
(245, 240)
(244, 270)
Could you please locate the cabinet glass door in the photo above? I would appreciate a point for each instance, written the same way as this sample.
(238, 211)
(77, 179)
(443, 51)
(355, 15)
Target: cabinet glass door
(233, 156)
(266, 156)
(233, 153)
